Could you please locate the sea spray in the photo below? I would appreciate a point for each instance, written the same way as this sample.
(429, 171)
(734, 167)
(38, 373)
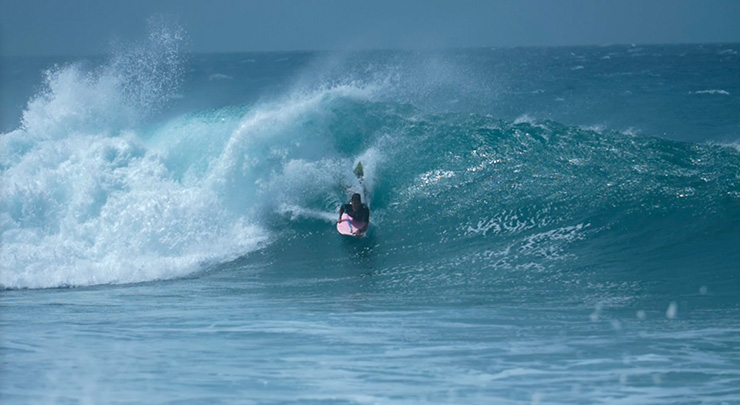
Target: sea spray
(85, 201)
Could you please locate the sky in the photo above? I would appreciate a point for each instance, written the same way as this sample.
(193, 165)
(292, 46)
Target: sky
(85, 27)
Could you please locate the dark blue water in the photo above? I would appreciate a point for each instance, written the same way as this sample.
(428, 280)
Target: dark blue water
(549, 225)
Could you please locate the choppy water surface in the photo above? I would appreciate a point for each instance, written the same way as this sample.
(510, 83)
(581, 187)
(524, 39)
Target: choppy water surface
(555, 225)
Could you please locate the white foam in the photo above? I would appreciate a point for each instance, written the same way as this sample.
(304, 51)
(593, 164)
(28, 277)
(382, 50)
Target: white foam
(219, 76)
(735, 145)
(524, 119)
(87, 207)
(93, 210)
(600, 128)
(85, 201)
(74, 101)
(672, 310)
(711, 91)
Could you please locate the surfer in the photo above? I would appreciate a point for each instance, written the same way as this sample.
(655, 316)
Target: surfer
(359, 212)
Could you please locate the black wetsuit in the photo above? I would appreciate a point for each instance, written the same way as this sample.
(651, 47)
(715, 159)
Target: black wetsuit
(362, 215)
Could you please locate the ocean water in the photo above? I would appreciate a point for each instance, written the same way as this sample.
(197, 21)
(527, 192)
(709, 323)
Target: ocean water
(549, 225)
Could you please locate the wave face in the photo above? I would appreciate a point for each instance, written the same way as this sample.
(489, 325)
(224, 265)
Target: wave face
(101, 187)
(469, 206)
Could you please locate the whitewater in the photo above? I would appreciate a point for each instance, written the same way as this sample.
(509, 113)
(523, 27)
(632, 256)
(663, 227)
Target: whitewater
(549, 225)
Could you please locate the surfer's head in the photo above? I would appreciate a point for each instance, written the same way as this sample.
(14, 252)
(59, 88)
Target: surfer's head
(356, 201)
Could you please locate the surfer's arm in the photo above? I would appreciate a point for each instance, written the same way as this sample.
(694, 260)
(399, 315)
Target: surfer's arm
(341, 211)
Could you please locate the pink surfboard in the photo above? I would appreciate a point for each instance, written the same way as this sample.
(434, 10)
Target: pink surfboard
(348, 227)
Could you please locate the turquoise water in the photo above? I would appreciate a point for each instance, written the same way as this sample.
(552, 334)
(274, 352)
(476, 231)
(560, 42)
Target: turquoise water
(549, 225)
